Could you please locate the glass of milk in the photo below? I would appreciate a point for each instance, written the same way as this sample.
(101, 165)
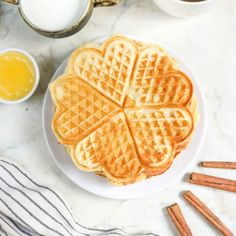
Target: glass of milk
(58, 18)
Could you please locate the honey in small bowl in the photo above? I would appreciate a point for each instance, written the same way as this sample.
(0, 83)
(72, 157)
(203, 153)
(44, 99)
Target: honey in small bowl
(18, 75)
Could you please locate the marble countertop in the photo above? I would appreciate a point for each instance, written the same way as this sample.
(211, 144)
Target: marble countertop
(207, 42)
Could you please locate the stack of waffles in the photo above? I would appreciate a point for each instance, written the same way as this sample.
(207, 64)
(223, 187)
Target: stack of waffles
(123, 109)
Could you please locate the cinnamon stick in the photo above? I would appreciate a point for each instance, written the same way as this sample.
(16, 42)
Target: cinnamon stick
(207, 213)
(212, 181)
(219, 164)
(178, 219)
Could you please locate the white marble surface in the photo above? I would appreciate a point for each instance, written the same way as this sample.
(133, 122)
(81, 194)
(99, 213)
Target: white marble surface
(207, 42)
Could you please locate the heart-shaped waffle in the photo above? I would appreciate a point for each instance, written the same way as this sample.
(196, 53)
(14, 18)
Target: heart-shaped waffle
(156, 132)
(79, 109)
(157, 80)
(125, 111)
(110, 149)
(108, 69)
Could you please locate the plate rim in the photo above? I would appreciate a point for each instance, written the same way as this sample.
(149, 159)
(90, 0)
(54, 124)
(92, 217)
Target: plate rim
(203, 120)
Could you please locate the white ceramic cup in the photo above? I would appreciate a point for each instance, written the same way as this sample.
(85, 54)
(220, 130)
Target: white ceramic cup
(37, 76)
(180, 8)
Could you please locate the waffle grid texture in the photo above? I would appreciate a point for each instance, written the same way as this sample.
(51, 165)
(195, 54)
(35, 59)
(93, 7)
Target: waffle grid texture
(123, 110)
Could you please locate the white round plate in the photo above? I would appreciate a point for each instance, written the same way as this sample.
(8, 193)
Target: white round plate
(99, 185)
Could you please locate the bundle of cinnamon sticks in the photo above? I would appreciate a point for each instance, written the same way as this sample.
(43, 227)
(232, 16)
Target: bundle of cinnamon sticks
(204, 180)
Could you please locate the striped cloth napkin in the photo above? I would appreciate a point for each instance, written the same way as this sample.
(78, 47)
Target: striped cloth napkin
(28, 208)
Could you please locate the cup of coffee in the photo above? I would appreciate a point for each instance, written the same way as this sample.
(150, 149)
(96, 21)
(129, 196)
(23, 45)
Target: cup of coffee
(185, 8)
(58, 19)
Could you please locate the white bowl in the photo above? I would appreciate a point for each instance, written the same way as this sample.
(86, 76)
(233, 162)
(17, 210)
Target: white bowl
(180, 8)
(37, 76)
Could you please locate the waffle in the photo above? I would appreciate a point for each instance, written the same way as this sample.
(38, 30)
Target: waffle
(108, 69)
(80, 109)
(155, 130)
(110, 150)
(123, 110)
(157, 80)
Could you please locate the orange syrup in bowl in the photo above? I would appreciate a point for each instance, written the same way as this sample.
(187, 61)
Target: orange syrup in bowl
(18, 75)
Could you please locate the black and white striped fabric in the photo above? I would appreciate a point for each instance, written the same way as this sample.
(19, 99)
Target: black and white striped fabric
(28, 208)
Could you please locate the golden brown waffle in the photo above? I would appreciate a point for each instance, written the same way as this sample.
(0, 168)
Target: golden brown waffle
(157, 81)
(156, 132)
(80, 109)
(108, 70)
(124, 110)
(110, 149)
